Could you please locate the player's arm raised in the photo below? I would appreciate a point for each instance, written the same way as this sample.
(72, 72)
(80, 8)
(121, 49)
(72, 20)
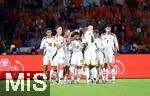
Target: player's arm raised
(42, 46)
(116, 49)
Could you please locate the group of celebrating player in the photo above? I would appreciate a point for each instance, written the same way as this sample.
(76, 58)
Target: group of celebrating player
(76, 49)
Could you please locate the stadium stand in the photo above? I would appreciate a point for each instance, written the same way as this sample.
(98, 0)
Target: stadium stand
(22, 21)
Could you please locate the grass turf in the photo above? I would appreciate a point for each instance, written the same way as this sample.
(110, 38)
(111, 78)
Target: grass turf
(122, 87)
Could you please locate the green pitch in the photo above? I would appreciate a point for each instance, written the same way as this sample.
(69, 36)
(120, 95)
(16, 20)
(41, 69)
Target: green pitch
(123, 87)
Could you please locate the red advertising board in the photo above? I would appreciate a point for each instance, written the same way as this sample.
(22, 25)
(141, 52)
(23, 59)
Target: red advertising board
(127, 66)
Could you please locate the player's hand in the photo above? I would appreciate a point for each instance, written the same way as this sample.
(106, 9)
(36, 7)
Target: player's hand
(68, 42)
(97, 48)
(117, 54)
(59, 46)
(40, 51)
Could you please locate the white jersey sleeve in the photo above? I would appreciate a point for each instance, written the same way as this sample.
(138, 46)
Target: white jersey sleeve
(42, 43)
(116, 43)
(99, 43)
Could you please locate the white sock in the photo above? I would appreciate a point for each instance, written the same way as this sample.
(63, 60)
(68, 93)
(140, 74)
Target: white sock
(98, 73)
(72, 70)
(113, 74)
(79, 74)
(82, 72)
(103, 74)
(87, 73)
(106, 78)
(45, 77)
(51, 74)
(65, 78)
(95, 72)
(60, 75)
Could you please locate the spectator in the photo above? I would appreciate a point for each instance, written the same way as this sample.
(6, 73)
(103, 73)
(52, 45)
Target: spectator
(12, 50)
(2, 45)
(17, 41)
(135, 49)
(126, 48)
(35, 41)
(32, 51)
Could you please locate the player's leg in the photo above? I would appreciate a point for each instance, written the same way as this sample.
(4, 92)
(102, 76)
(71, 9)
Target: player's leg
(106, 62)
(106, 72)
(72, 68)
(79, 67)
(113, 72)
(103, 71)
(68, 66)
(98, 67)
(79, 73)
(87, 66)
(87, 73)
(66, 69)
(61, 72)
(98, 73)
(93, 69)
(45, 63)
(93, 74)
(54, 70)
(72, 71)
(66, 73)
(46, 71)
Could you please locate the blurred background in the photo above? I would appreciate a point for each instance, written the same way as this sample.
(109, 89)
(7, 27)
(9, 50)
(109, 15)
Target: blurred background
(22, 22)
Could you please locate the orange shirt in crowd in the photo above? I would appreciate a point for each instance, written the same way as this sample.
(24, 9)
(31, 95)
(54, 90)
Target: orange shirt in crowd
(17, 42)
(87, 16)
(93, 13)
(140, 14)
(77, 2)
(44, 15)
(113, 8)
(124, 12)
(108, 14)
(103, 9)
(140, 1)
(130, 32)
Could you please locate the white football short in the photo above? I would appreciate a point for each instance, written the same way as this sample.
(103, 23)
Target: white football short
(90, 58)
(77, 59)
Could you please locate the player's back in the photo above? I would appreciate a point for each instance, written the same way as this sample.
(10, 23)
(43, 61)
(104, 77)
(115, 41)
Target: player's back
(90, 40)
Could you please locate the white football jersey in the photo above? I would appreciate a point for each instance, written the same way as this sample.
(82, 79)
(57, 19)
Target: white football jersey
(67, 49)
(111, 42)
(48, 45)
(90, 40)
(59, 40)
(76, 46)
(99, 44)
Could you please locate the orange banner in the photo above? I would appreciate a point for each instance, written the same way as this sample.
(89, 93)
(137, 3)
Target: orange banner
(127, 66)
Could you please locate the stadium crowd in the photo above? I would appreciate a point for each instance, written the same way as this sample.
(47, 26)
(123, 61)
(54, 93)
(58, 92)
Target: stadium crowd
(22, 22)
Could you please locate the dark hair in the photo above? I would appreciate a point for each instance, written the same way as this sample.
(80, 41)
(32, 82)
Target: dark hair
(47, 29)
(57, 26)
(108, 25)
(96, 31)
(75, 33)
